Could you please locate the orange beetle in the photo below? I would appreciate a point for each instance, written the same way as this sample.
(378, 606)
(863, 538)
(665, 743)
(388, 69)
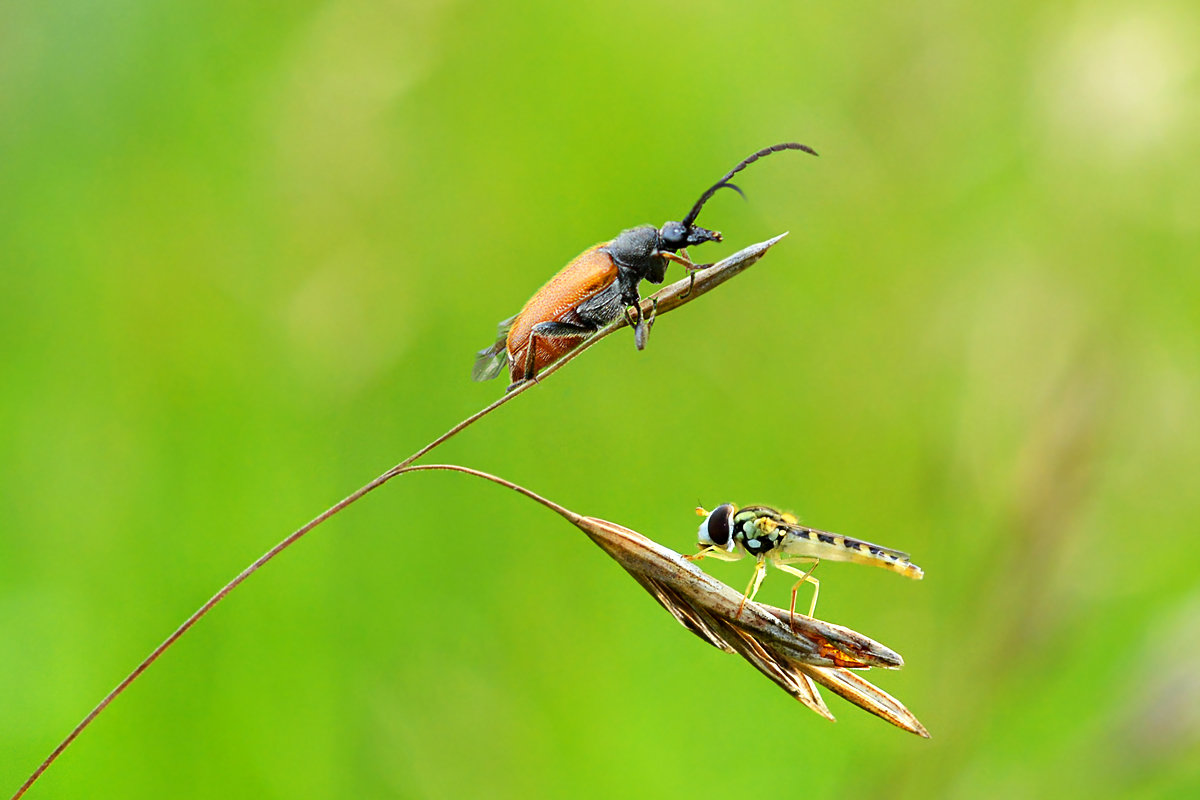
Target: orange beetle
(597, 287)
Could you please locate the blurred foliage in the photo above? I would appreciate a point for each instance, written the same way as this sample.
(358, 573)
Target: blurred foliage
(248, 250)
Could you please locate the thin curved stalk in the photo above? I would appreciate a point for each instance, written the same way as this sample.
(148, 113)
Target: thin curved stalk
(668, 298)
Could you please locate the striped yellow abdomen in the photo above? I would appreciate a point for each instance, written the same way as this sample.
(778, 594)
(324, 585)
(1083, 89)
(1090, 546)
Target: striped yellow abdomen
(834, 547)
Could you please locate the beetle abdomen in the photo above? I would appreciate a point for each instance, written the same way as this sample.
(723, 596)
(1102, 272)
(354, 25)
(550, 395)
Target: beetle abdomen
(590, 273)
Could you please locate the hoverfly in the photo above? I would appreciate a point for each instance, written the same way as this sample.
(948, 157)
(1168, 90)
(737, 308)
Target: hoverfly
(729, 533)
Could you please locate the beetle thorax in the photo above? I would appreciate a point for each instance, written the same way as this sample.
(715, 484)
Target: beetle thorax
(635, 245)
(638, 258)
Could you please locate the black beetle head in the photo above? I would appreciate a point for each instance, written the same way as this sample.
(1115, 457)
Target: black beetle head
(638, 251)
(717, 528)
(675, 236)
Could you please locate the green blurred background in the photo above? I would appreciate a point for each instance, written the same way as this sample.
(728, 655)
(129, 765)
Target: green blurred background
(248, 251)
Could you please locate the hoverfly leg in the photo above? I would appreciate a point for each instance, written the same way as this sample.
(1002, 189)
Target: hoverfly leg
(805, 577)
(760, 572)
(697, 556)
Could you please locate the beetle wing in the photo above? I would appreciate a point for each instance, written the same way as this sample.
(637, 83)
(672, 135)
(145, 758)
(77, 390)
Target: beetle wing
(491, 360)
(591, 273)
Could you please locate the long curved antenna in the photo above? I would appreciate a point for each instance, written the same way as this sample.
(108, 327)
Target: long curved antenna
(745, 162)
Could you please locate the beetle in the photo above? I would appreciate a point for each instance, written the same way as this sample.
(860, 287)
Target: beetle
(598, 286)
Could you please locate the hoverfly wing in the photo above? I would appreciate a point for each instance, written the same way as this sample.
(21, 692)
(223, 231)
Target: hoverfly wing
(808, 542)
(804, 532)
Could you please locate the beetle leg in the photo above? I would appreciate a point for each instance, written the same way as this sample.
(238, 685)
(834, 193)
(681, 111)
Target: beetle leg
(642, 332)
(633, 316)
(551, 330)
(634, 319)
(685, 261)
(681, 258)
